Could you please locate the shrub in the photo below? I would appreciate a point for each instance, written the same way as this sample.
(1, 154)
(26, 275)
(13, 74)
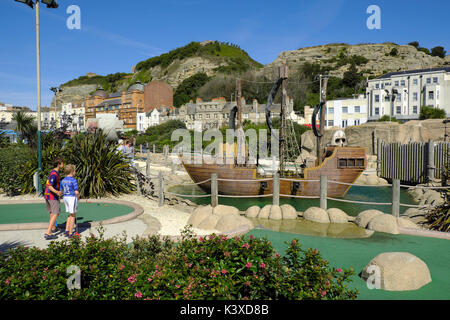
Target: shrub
(394, 52)
(428, 112)
(213, 267)
(13, 160)
(386, 118)
(438, 52)
(100, 169)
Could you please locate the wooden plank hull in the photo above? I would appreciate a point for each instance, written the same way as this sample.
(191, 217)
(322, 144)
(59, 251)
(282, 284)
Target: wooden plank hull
(248, 183)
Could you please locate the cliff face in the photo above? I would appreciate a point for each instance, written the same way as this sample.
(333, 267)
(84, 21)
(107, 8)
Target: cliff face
(379, 58)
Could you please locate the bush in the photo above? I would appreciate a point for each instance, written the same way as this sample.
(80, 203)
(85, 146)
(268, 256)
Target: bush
(13, 160)
(386, 118)
(438, 52)
(428, 112)
(214, 267)
(394, 52)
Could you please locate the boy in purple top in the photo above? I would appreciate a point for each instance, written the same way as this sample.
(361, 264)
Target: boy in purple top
(69, 188)
(51, 196)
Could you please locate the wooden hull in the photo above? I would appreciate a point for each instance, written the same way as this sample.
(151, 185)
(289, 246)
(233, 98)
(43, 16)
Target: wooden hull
(249, 183)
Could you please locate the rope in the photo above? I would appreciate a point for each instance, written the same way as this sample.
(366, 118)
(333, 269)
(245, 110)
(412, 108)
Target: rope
(256, 180)
(360, 185)
(294, 180)
(194, 184)
(188, 195)
(413, 206)
(258, 196)
(420, 187)
(301, 197)
(362, 202)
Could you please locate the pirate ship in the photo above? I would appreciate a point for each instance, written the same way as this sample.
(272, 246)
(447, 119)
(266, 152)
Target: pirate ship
(339, 162)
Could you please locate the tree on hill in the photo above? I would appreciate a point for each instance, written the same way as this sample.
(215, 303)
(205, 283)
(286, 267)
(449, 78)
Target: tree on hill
(188, 89)
(351, 77)
(438, 52)
(428, 112)
(414, 44)
(425, 50)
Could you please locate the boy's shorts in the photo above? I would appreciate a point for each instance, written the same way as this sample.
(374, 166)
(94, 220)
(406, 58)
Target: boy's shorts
(71, 204)
(53, 206)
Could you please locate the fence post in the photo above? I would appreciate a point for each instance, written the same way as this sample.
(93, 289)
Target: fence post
(323, 191)
(430, 160)
(141, 148)
(172, 164)
(166, 153)
(161, 190)
(396, 197)
(154, 149)
(276, 189)
(214, 190)
(138, 185)
(379, 157)
(147, 164)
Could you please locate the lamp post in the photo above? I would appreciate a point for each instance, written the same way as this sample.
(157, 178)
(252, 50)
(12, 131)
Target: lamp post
(50, 4)
(56, 91)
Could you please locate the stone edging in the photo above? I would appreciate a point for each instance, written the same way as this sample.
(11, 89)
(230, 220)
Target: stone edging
(137, 211)
(424, 233)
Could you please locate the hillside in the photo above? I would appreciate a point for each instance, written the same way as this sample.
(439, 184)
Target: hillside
(221, 62)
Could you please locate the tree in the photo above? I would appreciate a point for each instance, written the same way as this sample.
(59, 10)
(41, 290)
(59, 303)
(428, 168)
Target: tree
(394, 52)
(351, 77)
(26, 127)
(438, 52)
(414, 44)
(425, 50)
(428, 112)
(188, 88)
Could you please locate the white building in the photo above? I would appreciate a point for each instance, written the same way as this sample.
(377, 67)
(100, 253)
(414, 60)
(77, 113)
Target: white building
(155, 117)
(415, 88)
(77, 112)
(346, 112)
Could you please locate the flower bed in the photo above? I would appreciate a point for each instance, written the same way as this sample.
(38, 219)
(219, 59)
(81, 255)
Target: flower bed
(212, 267)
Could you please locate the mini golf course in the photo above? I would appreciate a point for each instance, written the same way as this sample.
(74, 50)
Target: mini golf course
(357, 253)
(88, 212)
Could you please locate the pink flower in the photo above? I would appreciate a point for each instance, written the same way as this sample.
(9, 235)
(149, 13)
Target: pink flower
(149, 279)
(262, 265)
(224, 238)
(8, 281)
(227, 254)
(121, 266)
(246, 245)
(138, 294)
(45, 269)
(339, 270)
(323, 293)
(178, 286)
(210, 237)
(224, 271)
(277, 255)
(247, 283)
(189, 265)
(252, 237)
(201, 239)
(248, 265)
(157, 267)
(131, 279)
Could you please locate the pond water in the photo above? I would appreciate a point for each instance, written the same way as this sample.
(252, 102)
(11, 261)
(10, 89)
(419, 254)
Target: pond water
(357, 193)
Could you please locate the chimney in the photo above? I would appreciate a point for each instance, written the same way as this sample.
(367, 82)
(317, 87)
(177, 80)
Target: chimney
(255, 106)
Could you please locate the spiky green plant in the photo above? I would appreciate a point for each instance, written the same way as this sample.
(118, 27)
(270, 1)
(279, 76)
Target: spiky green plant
(100, 169)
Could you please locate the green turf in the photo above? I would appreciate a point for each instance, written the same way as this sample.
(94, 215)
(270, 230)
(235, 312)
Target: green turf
(356, 253)
(35, 212)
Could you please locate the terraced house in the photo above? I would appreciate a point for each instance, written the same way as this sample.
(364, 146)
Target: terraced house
(412, 89)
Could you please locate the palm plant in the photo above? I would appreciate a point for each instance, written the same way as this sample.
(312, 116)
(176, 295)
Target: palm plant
(26, 127)
(100, 169)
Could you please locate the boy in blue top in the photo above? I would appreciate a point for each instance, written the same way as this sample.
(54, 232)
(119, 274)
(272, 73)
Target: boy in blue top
(69, 188)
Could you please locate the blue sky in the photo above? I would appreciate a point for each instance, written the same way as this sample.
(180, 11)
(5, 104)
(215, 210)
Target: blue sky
(117, 34)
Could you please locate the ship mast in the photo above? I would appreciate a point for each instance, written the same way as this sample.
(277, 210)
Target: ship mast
(323, 102)
(283, 74)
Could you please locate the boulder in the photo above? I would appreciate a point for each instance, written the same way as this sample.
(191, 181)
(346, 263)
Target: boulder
(209, 223)
(252, 212)
(412, 212)
(364, 217)
(221, 210)
(427, 194)
(316, 214)
(384, 223)
(265, 212)
(407, 223)
(337, 215)
(382, 181)
(199, 215)
(397, 271)
(229, 222)
(275, 213)
(372, 180)
(362, 179)
(435, 200)
(288, 212)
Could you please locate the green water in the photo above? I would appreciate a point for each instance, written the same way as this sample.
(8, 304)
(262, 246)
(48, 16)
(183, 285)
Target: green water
(357, 193)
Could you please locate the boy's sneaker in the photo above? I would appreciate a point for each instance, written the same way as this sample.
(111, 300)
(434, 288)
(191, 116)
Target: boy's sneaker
(50, 237)
(66, 233)
(55, 231)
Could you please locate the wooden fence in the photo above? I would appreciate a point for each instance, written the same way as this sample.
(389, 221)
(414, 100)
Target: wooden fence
(414, 162)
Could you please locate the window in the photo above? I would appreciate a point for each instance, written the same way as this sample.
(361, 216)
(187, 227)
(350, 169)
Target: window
(377, 110)
(344, 123)
(402, 83)
(415, 82)
(428, 80)
(431, 95)
(396, 83)
(330, 123)
(377, 98)
(357, 109)
(245, 115)
(399, 109)
(344, 109)
(377, 86)
(351, 163)
(435, 80)
(387, 99)
(415, 96)
(330, 110)
(399, 97)
(415, 109)
(357, 122)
